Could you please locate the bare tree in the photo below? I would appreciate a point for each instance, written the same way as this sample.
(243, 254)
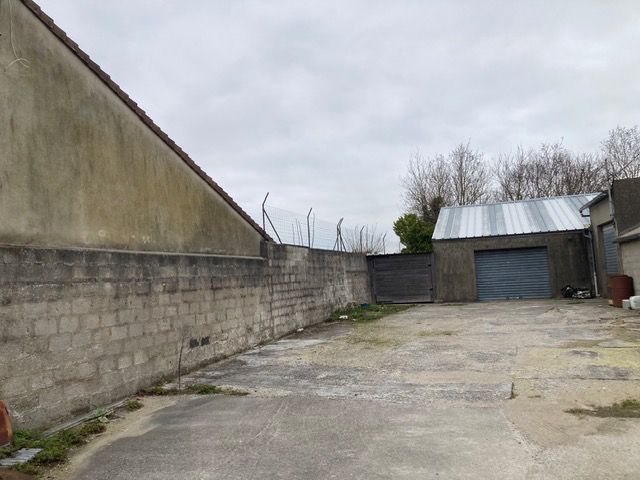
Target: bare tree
(585, 175)
(364, 239)
(546, 168)
(512, 175)
(427, 185)
(464, 178)
(621, 150)
(551, 171)
(470, 176)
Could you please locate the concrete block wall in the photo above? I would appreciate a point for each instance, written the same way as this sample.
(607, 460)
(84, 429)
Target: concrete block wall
(82, 328)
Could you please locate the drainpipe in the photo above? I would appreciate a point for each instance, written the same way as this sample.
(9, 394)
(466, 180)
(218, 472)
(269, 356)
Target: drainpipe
(612, 210)
(587, 234)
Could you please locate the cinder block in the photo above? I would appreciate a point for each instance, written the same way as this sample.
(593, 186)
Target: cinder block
(139, 357)
(89, 321)
(145, 341)
(34, 310)
(101, 335)
(188, 320)
(108, 319)
(81, 305)
(164, 324)
(80, 339)
(107, 365)
(119, 332)
(57, 308)
(136, 330)
(101, 304)
(17, 385)
(60, 342)
(68, 324)
(75, 390)
(41, 381)
(46, 326)
(160, 338)
(168, 271)
(173, 336)
(85, 370)
(164, 299)
(124, 361)
(126, 316)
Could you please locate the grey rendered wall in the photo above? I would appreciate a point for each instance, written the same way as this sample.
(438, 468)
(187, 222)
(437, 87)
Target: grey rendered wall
(626, 198)
(455, 278)
(79, 168)
(630, 252)
(79, 329)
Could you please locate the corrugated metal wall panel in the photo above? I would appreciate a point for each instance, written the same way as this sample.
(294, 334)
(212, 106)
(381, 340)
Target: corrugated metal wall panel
(401, 278)
(609, 238)
(517, 273)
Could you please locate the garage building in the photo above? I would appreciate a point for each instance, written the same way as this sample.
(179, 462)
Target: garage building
(615, 226)
(511, 250)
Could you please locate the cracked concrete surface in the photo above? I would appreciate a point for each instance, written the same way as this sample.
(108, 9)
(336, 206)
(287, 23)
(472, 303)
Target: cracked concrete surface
(437, 391)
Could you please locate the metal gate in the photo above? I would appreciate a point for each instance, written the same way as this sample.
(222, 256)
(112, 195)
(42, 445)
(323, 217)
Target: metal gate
(511, 274)
(401, 278)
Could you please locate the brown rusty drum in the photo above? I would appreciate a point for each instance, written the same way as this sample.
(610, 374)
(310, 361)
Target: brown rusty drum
(621, 288)
(6, 433)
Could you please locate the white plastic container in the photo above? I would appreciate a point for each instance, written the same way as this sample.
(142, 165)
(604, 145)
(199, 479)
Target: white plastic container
(626, 305)
(634, 302)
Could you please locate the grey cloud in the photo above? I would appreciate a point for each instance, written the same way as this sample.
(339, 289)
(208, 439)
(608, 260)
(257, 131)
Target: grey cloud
(322, 103)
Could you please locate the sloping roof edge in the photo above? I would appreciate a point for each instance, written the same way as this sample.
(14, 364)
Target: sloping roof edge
(593, 201)
(629, 235)
(115, 88)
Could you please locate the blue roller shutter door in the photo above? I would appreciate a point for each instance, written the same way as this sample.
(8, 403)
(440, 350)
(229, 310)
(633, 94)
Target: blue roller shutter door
(610, 249)
(512, 274)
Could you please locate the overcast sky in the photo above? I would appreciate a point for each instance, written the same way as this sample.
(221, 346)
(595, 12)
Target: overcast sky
(322, 103)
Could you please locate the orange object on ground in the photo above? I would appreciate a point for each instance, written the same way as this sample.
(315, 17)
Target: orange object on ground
(621, 288)
(6, 432)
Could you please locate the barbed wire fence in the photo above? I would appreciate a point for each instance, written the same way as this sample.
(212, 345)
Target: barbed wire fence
(306, 230)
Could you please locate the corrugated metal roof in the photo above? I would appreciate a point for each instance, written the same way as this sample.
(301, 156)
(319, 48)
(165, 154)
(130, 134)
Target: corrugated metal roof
(538, 215)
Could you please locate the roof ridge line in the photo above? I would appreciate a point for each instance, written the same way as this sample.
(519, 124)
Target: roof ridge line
(502, 202)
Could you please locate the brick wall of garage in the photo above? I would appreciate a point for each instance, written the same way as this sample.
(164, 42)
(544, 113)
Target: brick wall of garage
(455, 277)
(82, 328)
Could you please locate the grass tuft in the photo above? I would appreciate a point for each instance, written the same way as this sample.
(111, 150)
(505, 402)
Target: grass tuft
(436, 333)
(367, 313)
(371, 340)
(55, 449)
(133, 404)
(629, 408)
(194, 389)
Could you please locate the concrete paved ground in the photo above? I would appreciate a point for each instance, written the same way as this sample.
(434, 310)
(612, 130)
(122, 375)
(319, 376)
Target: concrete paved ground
(439, 391)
